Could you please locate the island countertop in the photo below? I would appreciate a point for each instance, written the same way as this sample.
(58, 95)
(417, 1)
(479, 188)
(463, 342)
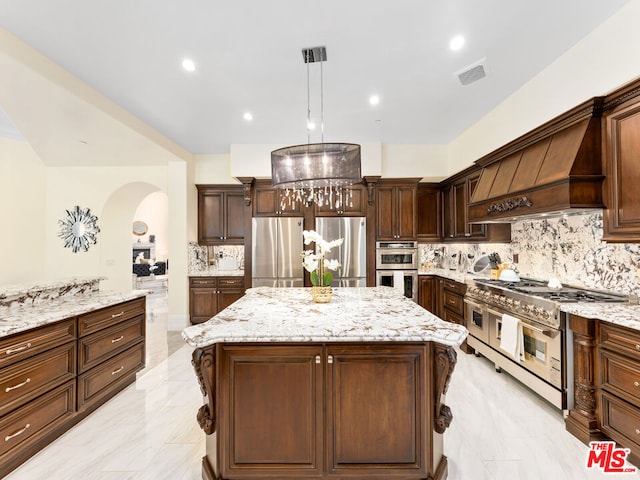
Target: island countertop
(372, 314)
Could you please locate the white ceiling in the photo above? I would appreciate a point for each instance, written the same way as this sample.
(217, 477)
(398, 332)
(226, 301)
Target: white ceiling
(248, 56)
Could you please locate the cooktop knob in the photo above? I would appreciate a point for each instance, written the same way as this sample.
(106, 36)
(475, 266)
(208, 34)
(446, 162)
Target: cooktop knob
(537, 311)
(546, 314)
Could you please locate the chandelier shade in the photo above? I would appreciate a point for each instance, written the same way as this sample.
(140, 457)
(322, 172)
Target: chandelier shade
(316, 165)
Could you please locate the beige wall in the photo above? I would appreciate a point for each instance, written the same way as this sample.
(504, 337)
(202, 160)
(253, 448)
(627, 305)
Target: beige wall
(22, 215)
(154, 211)
(604, 60)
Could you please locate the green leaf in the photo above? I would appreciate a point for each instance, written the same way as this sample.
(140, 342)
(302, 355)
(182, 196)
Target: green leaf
(314, 278)
(328, 278)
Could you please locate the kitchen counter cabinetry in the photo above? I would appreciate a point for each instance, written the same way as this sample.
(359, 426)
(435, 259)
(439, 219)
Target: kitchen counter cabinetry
(430, 293)
(220, 214)
(453, 301)
(54, 375)
(396, 209)
(621, 150)
(268, 202)
(618, 377)
(210, 295)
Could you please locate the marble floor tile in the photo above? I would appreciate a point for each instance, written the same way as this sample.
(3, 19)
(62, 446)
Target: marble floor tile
(500, 430)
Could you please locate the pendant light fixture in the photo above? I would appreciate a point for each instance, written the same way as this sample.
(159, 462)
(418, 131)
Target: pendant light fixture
(316, 172)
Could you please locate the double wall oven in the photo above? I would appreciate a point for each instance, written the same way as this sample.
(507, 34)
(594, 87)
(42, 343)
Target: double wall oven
(397, 266)
(542, 365)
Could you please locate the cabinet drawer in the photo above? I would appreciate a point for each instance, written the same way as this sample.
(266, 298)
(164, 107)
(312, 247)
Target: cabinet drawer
(620, 339)
(26, 426)
(452, 317)
(103, 380)
(99, 346)
(620, 421)
(25, 345)
(454, 286)
(203, 282)
(454, 302)
(92, 322)
(230, 282)
(26, 380)
(620, 375)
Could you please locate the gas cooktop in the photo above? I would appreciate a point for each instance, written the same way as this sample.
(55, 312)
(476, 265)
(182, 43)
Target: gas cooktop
(538, 288)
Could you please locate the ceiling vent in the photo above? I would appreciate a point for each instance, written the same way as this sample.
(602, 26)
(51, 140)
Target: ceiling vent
(472, 73)
(314, 54)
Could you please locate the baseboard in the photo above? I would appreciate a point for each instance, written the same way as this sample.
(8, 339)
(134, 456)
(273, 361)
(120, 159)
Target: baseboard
(442, 472)
(207, 470)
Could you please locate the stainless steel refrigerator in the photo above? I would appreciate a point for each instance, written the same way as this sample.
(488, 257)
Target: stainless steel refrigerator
(276, 247)
(352, 253)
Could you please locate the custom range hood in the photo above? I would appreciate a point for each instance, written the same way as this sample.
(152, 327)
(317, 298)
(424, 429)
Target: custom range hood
(555, 169)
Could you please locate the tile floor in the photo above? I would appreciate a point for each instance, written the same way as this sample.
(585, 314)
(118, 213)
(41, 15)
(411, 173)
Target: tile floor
(148, 431)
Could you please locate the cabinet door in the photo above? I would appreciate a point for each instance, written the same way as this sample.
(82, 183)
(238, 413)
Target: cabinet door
(406, 213)
(372, 390)
(273, 405)
(448, 213)
(429, 214)
(354, 204)
(203, 299)
(475, 230)
(385, 208)
(210, 217)
(268, 202)
(230, 289)
(427, 293)
(234, 218)
(459, 192)
(622, 149)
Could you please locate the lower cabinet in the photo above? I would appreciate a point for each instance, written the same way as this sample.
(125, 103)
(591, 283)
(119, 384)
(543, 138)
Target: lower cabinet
(53, 376)
(324, 410)
(427, 293)
(618, 380)
(210, 295)
(453, 301)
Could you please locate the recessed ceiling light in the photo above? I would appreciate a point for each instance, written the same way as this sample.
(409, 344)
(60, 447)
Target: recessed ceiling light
(456, 42)
(374, 99)
(189, 65)
(248, 116)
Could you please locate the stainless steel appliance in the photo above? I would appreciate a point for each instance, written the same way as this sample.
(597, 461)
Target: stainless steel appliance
(396, 255)
(276, 247)
(543, 364)
(352, 254)
(397, 266)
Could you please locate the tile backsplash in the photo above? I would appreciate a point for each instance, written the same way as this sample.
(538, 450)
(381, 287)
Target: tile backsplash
(201, 257)
(568, 248)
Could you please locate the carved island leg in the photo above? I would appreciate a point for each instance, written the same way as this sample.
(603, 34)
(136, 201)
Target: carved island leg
(203, 361)
(582, 421)
(446, 359)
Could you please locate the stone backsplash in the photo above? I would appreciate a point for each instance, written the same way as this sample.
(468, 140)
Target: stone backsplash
(568, 248)
(202, 257)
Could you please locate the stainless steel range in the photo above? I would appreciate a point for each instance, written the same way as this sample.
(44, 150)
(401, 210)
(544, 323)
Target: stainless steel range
(535, 307)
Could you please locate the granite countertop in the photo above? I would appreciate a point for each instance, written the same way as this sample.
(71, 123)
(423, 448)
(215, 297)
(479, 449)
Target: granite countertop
(214, 272)
(623, 314)
(26, 316)
(455, 275)
(370, 314)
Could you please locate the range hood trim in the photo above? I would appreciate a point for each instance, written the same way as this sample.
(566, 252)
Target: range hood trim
(570, 142)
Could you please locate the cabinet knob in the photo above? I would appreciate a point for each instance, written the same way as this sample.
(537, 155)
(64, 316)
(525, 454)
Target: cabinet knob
(467, 234)
(636, 384)
(317, 358)
(330, 359)
(451, 235)
(637, 431)
(638, 347)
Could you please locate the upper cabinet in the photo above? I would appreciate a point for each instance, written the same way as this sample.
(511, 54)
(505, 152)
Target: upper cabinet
(271, 202)
(353, 203)
(429, 213)
(455, 221)
(220, 214)
(621, 151)
(396, 210)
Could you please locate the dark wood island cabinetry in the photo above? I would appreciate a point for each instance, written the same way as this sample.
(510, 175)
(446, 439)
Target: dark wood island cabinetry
(287, 399)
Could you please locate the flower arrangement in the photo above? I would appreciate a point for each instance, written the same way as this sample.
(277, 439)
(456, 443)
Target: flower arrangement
(315, 262)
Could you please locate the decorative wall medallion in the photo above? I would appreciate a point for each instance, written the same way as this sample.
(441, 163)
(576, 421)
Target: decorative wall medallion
(79, 229)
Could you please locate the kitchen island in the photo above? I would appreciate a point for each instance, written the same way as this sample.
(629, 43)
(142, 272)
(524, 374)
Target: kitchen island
(349, 389)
